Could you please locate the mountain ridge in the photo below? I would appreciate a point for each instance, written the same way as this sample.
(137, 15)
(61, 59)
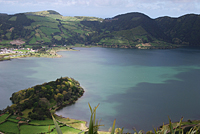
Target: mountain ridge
(129, 30)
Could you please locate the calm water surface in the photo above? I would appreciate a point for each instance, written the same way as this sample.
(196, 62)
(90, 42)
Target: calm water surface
(138, 88)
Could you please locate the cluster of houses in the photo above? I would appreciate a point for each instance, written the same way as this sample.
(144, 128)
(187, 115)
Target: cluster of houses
(12, 50)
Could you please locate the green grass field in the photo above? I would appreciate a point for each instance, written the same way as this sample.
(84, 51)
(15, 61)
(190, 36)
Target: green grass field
(57, 37)
(25, 113)
(13, 18)
(67, 130)
(9, 127)
(3, 117)
(45, 24)
(29, 129)
(42, 122)
(13, 119)
(48, 31)
(46, 39)
(24, 51)
(33, 41)
(41, 18)
(72, 122)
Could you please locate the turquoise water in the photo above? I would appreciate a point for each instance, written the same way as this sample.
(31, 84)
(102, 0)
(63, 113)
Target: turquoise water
(139, 88)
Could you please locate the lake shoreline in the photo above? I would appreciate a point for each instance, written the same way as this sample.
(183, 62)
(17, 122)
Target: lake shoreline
(50, 54)
(54, 53)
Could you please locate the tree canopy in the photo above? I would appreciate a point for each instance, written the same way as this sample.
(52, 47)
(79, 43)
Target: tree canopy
(45, 97)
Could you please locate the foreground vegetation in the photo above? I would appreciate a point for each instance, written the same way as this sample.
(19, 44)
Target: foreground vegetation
(15, 124)
(19, 125)
(189, 127)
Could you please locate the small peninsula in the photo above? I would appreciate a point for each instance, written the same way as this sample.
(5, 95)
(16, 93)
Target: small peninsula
(32, 107)
(46, 98)
(48, 52)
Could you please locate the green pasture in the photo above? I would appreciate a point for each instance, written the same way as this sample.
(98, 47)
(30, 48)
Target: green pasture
(38, 38)
(57, 37)
(40, 18)
(67, 33)
(3, 117)
(42, 122)
(55, 16)
(24, 51)
(9, 127)
(48, 31)
(46, 39)
(70, 27)
(42, 35)
(13, 18)
(72, 122)
(45, 24)
(80, 18)
(67, 130)
(32, 41)
(13, 119)
(25, 112)
(29, 129)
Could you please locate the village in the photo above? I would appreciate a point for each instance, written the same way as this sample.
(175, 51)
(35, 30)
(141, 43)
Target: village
(15, 51)
(8, 53)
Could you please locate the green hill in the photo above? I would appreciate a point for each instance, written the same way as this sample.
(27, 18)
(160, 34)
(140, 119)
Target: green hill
(43, 28)
(131, 30)
(127, 30)
(183, 30)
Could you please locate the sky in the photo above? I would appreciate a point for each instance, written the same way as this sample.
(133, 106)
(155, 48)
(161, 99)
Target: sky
(103, 8)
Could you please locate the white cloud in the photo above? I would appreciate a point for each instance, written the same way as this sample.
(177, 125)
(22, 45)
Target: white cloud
(152, 8)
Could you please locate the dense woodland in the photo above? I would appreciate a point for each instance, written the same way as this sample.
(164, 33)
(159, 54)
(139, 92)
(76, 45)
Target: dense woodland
(46, 98)
(50, 28)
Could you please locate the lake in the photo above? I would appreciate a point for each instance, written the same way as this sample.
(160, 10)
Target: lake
(138, 88)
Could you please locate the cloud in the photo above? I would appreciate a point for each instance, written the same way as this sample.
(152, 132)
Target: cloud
(153, 8)
(100, 3)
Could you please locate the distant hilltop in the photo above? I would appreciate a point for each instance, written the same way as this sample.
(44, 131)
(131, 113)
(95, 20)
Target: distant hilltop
(131, 30)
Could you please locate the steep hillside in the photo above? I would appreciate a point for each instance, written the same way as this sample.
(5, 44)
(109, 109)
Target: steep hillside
(43, 28)
(128, 29)
(182, 30)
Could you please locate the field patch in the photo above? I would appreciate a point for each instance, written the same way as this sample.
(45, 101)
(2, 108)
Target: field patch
(67, 130)
(73, 123)
(3, 117)
(42, 122)
(29, 129)
(9, 127)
